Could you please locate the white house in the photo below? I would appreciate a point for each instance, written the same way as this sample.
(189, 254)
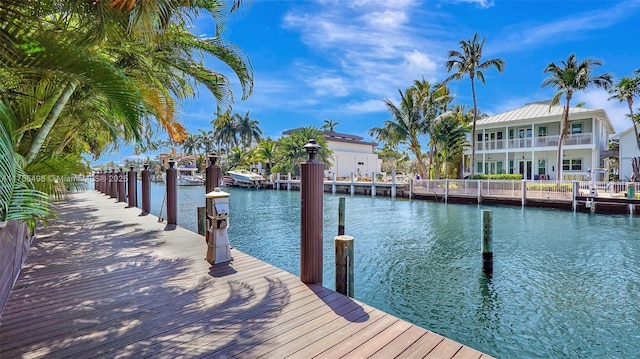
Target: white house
(525, 141)
(628, 148)
(351, 154)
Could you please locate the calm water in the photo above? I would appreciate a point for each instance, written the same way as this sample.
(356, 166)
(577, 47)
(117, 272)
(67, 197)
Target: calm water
(565, 285)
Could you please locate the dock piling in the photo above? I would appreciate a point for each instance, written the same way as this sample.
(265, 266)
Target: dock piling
(122, 194)
(132, 182)
(113, 184)
(202, 220)
(344, 264)
(172, 194)
(146, 189)
(341, 205)
(486, 244)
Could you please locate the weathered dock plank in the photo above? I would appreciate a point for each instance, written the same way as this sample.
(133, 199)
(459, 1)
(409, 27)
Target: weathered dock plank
(103, 281)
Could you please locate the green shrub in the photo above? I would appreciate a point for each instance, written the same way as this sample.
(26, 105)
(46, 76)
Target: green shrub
(498, 176)
(549, 187)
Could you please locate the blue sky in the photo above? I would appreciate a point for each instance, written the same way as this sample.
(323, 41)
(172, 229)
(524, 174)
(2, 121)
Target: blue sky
(324, 59)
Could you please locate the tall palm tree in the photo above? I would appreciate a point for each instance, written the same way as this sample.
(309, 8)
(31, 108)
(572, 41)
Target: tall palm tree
(567, 78)
(406, 125)
(469, 62)
(625, 90)
(190, 144)
(329, 125)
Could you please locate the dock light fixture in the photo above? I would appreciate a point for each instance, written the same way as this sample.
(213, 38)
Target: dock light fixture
(312, 148)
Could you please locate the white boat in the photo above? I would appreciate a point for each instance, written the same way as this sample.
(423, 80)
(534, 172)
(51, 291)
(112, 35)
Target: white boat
(246, 178)
(186, 176)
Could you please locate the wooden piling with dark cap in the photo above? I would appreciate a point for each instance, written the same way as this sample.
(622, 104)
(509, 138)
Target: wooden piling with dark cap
(487, 245)
(121, 179)
(146, 189)
(311, 197)
(113, 184)
(341, 205)
(344, 265)
(101, 181)
(172, 193)
(132, 189)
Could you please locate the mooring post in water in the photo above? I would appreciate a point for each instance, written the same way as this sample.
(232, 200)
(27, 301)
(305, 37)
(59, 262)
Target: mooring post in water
(344, 265)
(311, 197)
(341, 202)
(113, 184)
(146, 189)
(393, 184)
(172, 193)
(202, 220)
(333, 184)
(122, 185)
(574, 201)
(352, 189)
(132, 182)
(487, 245)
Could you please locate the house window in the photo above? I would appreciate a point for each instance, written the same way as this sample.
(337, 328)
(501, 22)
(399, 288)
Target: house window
(360, 163)
(511, 167)
(511, 134)
(542, 131)
(572, 165)
(479, 167)
(499, 135)
(479, 137)
(499, 167)
(542, 167)
(576, 128)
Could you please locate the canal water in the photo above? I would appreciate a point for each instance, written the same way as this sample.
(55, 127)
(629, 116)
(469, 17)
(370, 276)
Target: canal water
(565, 285)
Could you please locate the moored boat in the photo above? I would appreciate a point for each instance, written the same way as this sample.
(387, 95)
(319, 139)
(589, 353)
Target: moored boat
(246, 178)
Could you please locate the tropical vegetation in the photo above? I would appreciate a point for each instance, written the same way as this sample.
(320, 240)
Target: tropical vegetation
(78, 77)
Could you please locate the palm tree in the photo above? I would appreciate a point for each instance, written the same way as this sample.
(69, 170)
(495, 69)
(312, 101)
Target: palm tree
(329, 125)
(406, 125)
(248, 129)
(19, 199)
(469, 62)
(291, 153)
(625, 90)
(450, 136)
(190, 144)
(567, 78)
(266, 152)
(433, 101)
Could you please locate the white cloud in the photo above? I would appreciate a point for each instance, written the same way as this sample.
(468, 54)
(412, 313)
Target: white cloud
(525, 35)
(376, 47)
(365, 106)
(616, 111)
(479, 3)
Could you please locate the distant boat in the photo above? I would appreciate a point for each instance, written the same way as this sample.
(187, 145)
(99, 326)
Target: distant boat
(227, 181)
(246, 178)
(186, 176)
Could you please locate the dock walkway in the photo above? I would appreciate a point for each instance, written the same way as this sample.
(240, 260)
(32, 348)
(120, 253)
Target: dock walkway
(102, 281)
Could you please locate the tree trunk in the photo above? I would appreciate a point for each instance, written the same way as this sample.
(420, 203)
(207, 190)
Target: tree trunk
(50, 121)
(633, 120)
(564, 124)
(473, 130)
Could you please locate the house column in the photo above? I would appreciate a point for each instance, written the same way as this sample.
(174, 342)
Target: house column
(534, 165)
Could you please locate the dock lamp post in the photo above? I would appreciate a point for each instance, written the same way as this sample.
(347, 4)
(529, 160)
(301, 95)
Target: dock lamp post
(311, 197)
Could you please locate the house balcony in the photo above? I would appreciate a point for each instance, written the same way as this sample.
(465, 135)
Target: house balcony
(578, 139)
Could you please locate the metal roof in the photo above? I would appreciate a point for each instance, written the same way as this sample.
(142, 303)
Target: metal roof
(542, 110)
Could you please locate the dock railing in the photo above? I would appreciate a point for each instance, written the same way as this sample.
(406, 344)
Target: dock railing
(513, 189)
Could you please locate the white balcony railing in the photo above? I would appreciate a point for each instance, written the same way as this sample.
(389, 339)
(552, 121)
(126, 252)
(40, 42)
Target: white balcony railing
(534, 142)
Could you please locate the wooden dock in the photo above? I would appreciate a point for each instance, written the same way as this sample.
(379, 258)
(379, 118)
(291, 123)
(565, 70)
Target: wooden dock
(103, 281)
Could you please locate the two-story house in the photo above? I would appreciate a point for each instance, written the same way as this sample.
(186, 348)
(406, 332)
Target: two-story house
(350, 154)
(525, 141)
